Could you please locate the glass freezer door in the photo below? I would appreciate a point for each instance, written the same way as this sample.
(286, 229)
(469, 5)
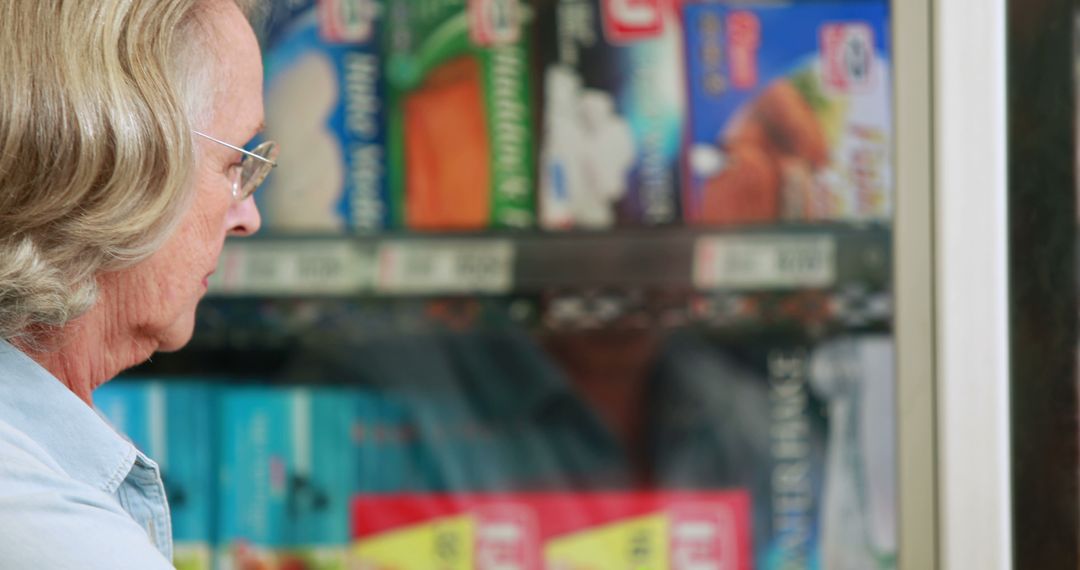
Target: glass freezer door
(574, 284)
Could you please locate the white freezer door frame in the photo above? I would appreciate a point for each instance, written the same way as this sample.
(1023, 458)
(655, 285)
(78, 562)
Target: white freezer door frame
(952, 287)
(971, 223)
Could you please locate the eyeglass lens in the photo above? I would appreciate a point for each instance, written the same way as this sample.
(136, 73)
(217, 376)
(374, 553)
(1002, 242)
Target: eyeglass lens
(254, 171)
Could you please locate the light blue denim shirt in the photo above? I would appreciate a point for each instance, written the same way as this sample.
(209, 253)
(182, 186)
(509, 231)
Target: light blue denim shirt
(74, 494)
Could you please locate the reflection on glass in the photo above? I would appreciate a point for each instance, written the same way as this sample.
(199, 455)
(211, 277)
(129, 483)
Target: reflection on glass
(580, 284)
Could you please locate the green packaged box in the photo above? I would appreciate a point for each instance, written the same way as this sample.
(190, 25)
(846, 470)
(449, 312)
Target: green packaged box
(460, 114)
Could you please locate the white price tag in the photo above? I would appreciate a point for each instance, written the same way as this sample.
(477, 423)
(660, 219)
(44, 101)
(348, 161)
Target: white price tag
(300, 267)
(765, 262)
(445, 267)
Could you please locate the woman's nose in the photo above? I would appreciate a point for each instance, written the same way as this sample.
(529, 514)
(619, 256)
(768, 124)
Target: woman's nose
(243, 218)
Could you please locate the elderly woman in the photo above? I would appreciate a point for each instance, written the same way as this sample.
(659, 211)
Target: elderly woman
(121, 174)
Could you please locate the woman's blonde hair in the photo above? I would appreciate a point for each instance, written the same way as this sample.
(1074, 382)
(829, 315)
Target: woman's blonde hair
(97, 102)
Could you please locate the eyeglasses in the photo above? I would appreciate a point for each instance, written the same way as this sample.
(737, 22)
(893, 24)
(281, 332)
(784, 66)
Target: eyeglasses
(253, 168)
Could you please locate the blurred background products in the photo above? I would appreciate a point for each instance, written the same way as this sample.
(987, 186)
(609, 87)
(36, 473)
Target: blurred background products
(807, 430)
(484, 411)
(795, 440)
(790, 112)
(325, 101)
(460, 111)
(453, 115)
(377, 403)
(855, 377)
(571, 531)
(288, 467)
(614, 109)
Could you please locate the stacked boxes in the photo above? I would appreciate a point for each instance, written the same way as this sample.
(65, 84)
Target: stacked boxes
(419, 114)
(800, 437)
(264, 471)
(266, 474)
(568, 531)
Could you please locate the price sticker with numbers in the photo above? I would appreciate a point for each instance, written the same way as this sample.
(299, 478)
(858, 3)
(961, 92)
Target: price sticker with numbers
(765, 262)
(445, 267)
(293, 268)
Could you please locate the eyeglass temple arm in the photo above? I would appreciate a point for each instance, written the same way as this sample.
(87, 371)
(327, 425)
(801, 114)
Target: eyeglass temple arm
(236, 148)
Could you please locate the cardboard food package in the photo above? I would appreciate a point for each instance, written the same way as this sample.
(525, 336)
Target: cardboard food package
(288, 468)
(460, 114)
(613, 113)
(790, 113)
(807, 429)
(325, 107)
(556, 531)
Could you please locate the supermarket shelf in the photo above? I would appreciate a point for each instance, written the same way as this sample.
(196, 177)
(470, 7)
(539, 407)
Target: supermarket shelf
(766, 258)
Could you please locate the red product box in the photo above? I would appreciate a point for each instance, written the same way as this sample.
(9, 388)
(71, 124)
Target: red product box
(553, 531)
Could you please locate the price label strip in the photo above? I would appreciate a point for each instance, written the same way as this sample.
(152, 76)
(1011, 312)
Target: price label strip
(765, 262)
(293, 268)
(448, 267)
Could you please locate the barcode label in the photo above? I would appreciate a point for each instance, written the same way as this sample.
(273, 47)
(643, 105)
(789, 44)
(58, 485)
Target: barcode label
(445, 267)
(764, 262)
(293, 268)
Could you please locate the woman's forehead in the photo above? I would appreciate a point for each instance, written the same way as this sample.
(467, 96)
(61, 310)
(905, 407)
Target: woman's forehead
(238, 105)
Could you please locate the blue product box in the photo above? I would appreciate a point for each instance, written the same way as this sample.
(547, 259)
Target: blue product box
(190, 471)
(324, 105)
(254, 486)
(288, 471)
(614, 110)
(368, 458)
(173, 424)
(332, 472)
(790, 112)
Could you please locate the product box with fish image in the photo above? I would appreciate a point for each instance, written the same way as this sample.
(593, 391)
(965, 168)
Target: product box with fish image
(613, 113)
(288, 468)
(790, 112)
(460, 115)
(325, 108)
(173, 424)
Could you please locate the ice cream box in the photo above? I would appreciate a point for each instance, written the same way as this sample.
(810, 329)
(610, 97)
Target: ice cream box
(790, 112)
(613, 113)
(566, 531)
(289, 467)
(325, 107)
(460, 114)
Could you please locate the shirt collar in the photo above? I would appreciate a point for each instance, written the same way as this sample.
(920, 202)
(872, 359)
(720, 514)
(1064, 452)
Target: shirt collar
(35, 402)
